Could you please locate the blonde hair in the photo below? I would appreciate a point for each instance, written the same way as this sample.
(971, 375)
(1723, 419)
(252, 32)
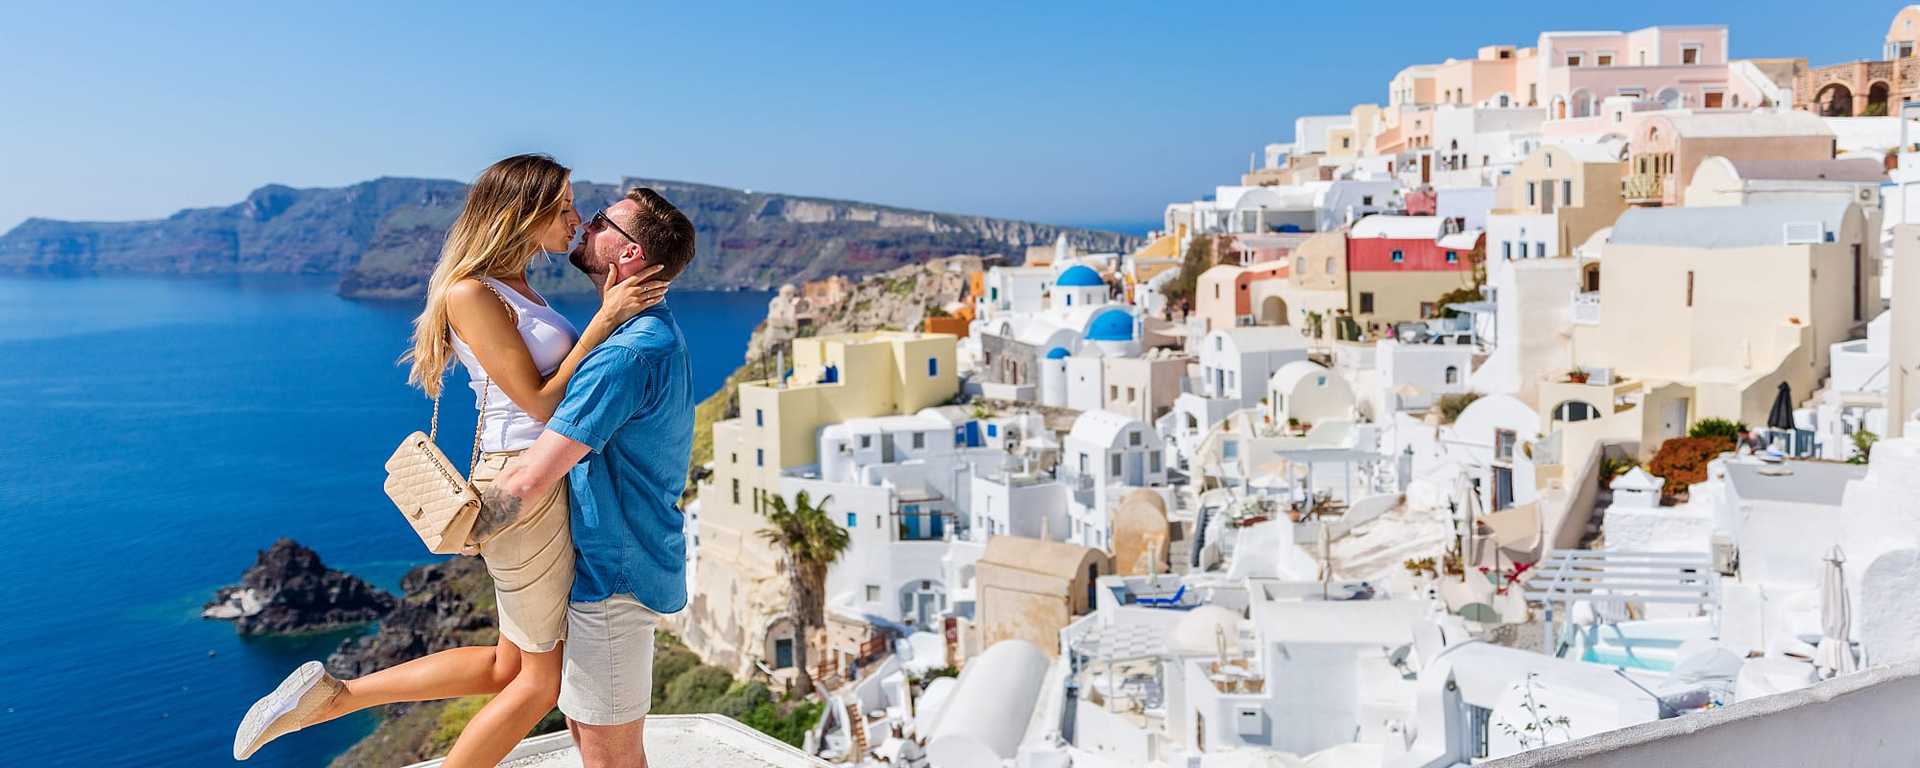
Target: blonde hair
(497, 235)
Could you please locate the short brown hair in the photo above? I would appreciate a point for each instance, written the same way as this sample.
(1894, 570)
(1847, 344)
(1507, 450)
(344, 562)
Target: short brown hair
(665, 234)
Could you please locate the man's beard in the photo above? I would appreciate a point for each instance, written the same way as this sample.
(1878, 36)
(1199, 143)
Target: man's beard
(583, 259)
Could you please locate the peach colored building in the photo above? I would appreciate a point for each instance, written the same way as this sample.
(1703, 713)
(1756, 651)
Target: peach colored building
(1665, 149)
(1673, 67)
(1223, 292)
(1499, 76)
(1867, 87)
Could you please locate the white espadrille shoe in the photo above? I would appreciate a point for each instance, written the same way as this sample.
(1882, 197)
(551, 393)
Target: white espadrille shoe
(292, 706)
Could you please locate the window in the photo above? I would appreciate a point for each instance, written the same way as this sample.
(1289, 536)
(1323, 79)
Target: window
(933, 367)
(1506, 250)
(1133, 438)
(736, 457)
(1689, 54)
(1532, 189)
(1113, 465)
(1453, 374)
(1689, 287)
(1216, 290)
(1566, 191)
(1453, 257)
(866, 441)
(919, 440)
(736, 490)
(1573, 58)
(759, 417)
(1113, 392)
(1399, 257)
(1603, 59)
(1368, 199)
(993, 430)
(873, 593)
(1083, 462)
(1503, 440)
(1366, 302)
(1218, 344)
(1069, 299)
(1130, 390)
(1540, 249)
(759, 457)
(1153, 462)
(853, 520)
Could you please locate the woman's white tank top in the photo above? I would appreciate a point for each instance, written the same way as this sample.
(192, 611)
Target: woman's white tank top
(549, 337)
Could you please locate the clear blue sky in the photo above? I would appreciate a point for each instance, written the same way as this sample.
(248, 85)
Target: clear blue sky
(1065, 114)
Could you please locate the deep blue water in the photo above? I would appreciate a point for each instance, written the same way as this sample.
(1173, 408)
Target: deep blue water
(155, 433)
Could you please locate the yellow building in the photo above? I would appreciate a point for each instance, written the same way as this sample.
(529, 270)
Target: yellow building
(739, 591)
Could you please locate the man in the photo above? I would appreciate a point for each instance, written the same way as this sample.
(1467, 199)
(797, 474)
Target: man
(628, 413)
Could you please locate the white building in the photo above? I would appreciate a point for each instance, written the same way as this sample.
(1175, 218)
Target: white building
(1103, 454)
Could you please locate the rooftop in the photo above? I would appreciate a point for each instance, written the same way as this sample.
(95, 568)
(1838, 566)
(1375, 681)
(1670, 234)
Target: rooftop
(1729, 226)
(1746, 125)
(695, 740)
(1397, 227)
(1808, 482)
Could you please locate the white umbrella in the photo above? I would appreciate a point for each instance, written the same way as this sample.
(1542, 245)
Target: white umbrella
(1834, 656)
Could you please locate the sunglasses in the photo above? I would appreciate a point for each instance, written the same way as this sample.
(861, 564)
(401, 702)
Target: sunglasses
(602, 218)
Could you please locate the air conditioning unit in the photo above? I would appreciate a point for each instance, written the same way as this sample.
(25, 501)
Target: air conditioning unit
(1803, 232)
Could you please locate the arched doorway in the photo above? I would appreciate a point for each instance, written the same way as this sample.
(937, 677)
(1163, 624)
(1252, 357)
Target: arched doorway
(780, 638)
(1583, 103)
(1273, 311)
(1877, 100)
(922, 601)
(1590, 278)
(1835, 100)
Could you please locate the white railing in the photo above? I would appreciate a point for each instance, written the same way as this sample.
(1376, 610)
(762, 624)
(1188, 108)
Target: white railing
(1586, 308)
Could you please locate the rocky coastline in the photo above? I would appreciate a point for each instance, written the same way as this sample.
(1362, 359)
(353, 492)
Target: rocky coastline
(289, 590)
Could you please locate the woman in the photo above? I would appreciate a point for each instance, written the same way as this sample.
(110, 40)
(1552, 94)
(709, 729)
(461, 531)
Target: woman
(519, 353)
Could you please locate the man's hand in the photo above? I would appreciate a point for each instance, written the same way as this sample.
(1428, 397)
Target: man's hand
(499, 508)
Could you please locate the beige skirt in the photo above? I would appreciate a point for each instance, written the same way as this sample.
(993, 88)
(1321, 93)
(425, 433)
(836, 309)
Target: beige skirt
(531, 564)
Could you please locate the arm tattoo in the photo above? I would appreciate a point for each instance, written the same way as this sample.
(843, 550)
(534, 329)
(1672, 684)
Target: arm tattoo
(498, 511)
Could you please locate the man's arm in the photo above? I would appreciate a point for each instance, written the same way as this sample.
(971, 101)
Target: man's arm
(526, 478)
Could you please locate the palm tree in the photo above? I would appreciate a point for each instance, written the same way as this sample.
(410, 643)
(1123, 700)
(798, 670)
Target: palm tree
(810, 541)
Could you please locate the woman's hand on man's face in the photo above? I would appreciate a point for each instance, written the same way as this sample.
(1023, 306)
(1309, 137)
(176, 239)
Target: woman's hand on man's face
(623, 299)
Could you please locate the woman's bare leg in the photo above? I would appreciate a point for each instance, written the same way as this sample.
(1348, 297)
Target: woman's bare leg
(505, 720)
(469, 671)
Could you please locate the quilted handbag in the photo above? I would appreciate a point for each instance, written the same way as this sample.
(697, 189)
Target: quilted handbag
(436, 499)
(440, 503)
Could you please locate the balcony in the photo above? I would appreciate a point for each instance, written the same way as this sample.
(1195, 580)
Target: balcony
(710, 740)
(1642, 188)
(1586, 308)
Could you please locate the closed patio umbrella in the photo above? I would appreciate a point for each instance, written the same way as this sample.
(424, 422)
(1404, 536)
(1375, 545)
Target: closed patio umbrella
(1780, 416)
(1834, 656)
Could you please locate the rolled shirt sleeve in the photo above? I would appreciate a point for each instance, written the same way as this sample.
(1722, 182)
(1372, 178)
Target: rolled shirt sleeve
(604, 393)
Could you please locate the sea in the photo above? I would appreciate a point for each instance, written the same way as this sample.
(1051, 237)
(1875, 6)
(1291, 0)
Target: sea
(155, 433)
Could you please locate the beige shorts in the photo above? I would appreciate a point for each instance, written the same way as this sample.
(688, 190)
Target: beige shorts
(608, 679)
(531, 564)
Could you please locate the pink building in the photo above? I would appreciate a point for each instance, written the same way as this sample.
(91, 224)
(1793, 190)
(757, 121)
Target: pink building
(1665, 149)
(1224, 298)
(1672, 67)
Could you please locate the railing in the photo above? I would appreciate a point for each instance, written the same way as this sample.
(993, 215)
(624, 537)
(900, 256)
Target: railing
(1586, 308)
(1642, 187)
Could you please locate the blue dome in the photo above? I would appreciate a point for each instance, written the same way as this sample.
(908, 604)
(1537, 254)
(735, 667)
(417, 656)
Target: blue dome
(1056, 353)
(1079, 276)
(1111, 325)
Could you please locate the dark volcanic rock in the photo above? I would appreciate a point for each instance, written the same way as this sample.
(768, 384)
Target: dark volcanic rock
(288, 589)
(382, 236)
(444, 605)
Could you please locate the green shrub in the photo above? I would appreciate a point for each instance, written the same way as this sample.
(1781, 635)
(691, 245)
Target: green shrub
(1717, 428)
(1863, 441)
(1451, 406)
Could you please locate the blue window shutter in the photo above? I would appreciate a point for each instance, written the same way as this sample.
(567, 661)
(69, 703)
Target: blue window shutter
(852, 519)
(933, 366)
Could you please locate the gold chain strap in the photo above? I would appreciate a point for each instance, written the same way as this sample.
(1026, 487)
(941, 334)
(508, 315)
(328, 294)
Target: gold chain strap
(486, 389)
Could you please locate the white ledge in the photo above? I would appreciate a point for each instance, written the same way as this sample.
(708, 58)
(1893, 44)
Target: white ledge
(691, 740)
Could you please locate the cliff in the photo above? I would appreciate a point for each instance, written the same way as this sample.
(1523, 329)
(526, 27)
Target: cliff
(382, 236)
(288, 589)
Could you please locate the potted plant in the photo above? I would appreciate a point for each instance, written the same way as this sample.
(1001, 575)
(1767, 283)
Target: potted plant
(1576, 376)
